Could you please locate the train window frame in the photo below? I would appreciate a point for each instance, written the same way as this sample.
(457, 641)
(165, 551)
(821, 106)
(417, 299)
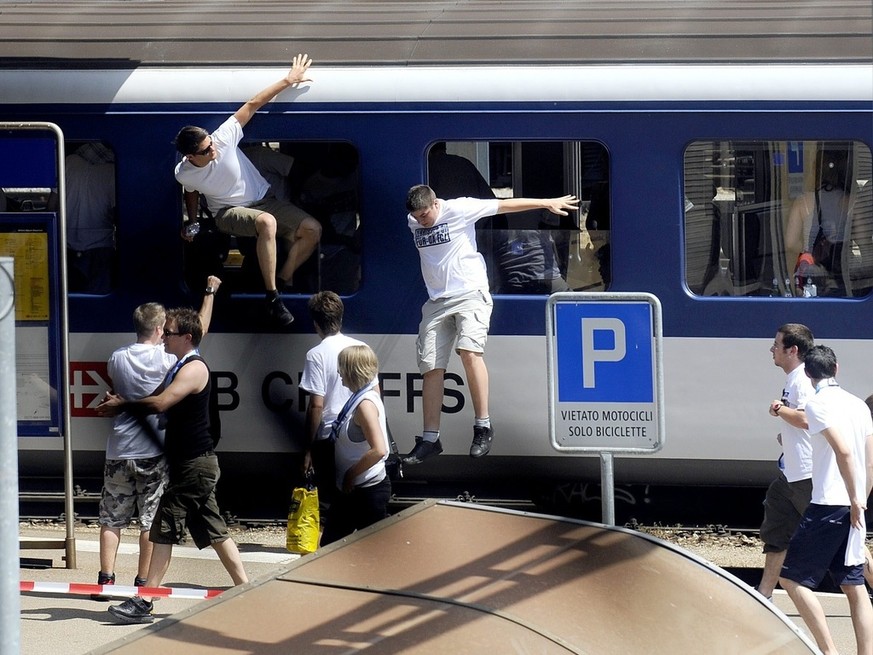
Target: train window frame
(299, 171)
(533, 253)
(755, 210)
(92, 270)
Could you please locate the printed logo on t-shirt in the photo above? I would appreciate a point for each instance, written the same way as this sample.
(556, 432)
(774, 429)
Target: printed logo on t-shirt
(431, 236)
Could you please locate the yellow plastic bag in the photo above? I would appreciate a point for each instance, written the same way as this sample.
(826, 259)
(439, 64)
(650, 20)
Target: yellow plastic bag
(303, 521)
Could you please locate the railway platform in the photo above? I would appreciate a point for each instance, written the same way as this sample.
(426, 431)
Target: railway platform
(438, 577)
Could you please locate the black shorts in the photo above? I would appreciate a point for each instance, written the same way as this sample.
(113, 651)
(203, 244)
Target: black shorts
(784, 506)
(819, 546)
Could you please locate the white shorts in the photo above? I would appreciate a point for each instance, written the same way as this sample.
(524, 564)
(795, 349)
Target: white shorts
(459, 323)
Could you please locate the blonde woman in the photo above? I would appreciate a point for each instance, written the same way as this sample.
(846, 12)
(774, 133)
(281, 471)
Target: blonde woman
(361, 436)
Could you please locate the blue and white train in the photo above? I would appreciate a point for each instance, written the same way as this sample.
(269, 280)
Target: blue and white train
(689, 134)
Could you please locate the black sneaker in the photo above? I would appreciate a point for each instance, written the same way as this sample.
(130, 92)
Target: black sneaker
(133, 610)
(481, 441)
(103, 579)
(423, 449)
(279, 314)
(139, 582)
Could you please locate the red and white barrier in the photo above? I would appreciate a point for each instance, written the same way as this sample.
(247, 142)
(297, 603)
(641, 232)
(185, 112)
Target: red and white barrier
(120, 591)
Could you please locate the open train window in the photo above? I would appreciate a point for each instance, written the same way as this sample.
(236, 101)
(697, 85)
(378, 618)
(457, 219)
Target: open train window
(319, 177)
(92, 258)
(779, 218)
(533, 252)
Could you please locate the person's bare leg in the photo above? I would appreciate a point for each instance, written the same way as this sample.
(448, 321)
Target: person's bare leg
(109, 540)
(228, 553)
(811, 612)
(145, 554)
(862, 616)
(432, 388)
(772, 568)
(265, 226)
(158, 564)
(301, 247)
(477, 381)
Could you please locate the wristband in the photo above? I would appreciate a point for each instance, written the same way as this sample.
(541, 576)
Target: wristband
(209, 291)
(778, 407)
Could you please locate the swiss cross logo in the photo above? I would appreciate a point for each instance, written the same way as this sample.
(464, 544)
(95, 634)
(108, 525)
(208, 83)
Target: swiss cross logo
(89, 382)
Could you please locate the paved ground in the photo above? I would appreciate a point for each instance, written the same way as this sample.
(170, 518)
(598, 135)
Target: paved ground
(75, 624)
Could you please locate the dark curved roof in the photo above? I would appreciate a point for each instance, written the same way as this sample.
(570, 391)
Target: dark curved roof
(131, 33)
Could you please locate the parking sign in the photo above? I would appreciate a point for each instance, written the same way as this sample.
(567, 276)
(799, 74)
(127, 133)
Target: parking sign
(605, 375)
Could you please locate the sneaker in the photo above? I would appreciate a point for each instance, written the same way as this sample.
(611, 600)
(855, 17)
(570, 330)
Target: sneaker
(423, 449)
(133, 610)
(278, 313)
(139, 582)
(481, 441)
(103, 579)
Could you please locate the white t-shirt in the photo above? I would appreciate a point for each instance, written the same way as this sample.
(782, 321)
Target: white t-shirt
(351, 444)
(321, 377)
(450, 263)
(833, 407)
(796, 445)
(136, 371)
(229, 180)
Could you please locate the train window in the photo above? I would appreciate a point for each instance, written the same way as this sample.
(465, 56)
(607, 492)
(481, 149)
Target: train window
(91, 217)
(322, 179)
(779, 218)
(533, 252)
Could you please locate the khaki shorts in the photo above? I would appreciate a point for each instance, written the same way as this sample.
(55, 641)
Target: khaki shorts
(189, 501)
(240, 221)
(459, 323)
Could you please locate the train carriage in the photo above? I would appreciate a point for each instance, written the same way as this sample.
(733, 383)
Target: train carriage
(688, 130)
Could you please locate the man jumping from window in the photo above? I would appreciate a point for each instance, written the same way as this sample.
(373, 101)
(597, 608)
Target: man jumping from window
(458, 310)
(240, 198)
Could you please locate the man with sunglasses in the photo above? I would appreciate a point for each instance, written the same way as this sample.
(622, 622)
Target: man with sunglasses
(240, 198)
(135, 472)
(189, 498)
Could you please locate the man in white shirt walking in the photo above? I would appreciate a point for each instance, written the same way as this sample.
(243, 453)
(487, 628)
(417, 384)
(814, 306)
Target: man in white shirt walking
(831, 535)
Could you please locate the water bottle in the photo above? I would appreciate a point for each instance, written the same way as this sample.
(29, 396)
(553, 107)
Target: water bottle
(192, 229)
(788, 293)
(810, 290)
(774, 290)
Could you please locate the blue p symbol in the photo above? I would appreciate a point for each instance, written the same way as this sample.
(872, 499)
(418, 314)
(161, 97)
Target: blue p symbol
(604, 352)
(591, 354)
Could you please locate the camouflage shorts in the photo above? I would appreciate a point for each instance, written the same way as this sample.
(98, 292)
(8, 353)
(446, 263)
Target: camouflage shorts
(132, 486)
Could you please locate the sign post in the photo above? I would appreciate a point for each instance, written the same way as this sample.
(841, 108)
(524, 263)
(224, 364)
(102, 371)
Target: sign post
(32, 160)
(605, 378)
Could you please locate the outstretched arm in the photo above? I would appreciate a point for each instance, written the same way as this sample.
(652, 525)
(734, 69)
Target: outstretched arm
(205, 313)
(558, 206)
(297, 75)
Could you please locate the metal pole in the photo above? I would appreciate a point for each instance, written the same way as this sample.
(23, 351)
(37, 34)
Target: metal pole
(10, 601)
(607, 488)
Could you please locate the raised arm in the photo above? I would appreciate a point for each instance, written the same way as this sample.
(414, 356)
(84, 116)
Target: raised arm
(205, 313)
(558, 206)
(297, 75)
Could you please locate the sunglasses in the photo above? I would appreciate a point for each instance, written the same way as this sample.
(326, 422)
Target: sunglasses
(205, 150)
